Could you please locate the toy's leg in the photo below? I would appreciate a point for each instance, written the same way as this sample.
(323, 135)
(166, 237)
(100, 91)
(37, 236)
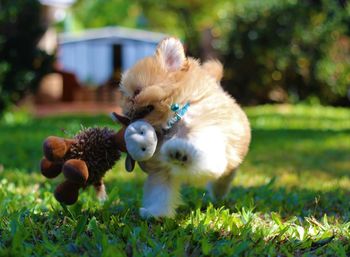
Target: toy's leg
(50, 169)
(67, 192)
(55, 148)
(161, 196)
(101, 191)
(219, 188)
(76, 171)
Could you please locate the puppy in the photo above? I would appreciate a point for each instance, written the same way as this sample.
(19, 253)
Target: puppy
(203, 134)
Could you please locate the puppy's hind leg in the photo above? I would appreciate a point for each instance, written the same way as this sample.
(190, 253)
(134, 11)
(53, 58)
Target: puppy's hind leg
(219, 188)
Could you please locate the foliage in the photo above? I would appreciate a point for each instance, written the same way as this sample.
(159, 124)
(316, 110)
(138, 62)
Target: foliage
(274, 51)
(94, 14)
(287, 51)
(290, 197)
(22, 64)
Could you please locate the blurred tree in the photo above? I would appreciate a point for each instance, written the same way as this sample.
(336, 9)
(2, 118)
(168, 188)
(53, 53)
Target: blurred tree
(22, 64)
(280, 51)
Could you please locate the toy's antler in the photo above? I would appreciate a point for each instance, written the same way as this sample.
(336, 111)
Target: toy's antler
(121, 119)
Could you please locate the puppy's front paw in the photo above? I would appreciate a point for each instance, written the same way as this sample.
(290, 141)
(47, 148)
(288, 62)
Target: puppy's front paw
(178, 151)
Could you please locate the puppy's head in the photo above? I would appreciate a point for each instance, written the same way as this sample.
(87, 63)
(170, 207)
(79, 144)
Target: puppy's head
(148, 87)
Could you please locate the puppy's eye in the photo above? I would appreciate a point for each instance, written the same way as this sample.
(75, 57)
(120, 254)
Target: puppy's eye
(150, 108)
(137, 92)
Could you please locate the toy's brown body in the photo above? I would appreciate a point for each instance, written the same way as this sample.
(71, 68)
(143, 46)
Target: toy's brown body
(83, 160)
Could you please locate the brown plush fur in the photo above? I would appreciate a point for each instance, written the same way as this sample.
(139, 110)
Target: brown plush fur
(84, 160)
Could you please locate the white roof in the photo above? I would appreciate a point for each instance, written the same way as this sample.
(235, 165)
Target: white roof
(110, 33)
(58, 3)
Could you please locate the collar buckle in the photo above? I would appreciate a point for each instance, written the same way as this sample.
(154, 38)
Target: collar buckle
(179, 113)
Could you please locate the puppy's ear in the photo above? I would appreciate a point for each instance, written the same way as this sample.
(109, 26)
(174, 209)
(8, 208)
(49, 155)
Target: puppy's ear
(170, 52)
(214, 69)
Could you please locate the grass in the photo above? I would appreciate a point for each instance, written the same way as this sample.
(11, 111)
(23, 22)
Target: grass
(290, 197)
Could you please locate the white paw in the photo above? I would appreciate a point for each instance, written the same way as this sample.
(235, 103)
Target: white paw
(178, 151)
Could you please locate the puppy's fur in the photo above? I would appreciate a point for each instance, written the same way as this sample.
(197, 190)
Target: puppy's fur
(205, 147)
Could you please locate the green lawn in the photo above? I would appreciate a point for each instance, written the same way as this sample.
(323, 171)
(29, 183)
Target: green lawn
(290, 198)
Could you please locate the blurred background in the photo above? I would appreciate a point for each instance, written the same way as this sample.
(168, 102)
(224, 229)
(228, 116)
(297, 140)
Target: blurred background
(60, 55)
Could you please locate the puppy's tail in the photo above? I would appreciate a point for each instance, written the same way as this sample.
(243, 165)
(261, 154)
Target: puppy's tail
(214, 68)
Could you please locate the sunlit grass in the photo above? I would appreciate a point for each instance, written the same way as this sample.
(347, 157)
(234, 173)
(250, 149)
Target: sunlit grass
(290, 197)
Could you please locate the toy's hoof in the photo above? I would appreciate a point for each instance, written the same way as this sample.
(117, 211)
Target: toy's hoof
(67, 193)
(76, 171)
(50, 169)
(54, 148)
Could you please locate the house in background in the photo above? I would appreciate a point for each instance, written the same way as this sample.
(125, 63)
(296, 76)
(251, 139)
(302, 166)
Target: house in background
(96, 56)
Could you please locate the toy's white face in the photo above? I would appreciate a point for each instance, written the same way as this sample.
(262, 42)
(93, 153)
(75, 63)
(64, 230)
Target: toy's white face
(141, 140)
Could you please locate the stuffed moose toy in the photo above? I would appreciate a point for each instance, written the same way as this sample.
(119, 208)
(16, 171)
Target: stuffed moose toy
(85, 159)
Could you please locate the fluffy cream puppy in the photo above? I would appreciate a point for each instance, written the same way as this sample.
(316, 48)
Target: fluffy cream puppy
(203, 133)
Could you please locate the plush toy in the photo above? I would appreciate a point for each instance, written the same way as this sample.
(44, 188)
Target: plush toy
(83, 160)
(86, 158)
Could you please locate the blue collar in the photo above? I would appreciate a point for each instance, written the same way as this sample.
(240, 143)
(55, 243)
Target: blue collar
(179, 113)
